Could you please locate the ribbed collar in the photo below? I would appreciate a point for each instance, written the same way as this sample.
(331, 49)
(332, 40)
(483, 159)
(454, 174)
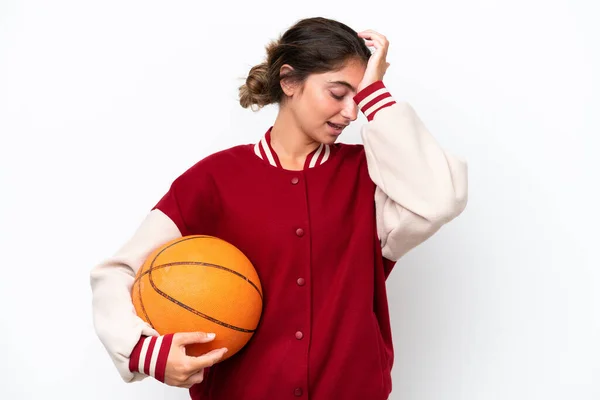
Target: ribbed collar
(264, 150)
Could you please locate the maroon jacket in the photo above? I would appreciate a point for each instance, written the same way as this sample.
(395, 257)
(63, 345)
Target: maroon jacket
(315, 238)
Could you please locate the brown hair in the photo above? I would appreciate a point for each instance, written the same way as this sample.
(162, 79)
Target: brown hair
(312, 45)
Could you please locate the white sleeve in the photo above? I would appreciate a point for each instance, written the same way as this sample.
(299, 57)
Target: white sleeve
(115, 320)
(420, 187)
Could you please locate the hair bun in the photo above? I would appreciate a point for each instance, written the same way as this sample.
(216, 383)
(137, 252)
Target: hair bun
(256, 89)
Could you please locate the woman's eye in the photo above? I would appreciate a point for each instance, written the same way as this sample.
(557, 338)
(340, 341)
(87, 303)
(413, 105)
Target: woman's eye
(336, 96)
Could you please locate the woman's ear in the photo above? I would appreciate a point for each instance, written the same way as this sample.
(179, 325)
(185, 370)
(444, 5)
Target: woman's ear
(286, 85)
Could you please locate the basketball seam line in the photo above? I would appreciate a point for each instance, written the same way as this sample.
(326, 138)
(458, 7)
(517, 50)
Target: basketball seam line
(185, 306)
(192, 310)
(200, 263)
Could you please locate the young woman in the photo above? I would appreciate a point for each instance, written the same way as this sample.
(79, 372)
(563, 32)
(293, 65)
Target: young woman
(322, 222)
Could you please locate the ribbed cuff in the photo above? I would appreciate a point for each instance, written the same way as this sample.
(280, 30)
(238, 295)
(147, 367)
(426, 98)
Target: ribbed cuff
(149, 356)
(373, 98)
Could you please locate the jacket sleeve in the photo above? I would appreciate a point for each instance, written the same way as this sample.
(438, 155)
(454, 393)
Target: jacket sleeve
(116, 323)
(419, 186)
(136, 349)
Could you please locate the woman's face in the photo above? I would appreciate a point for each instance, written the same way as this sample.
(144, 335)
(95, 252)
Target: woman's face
(325, 105)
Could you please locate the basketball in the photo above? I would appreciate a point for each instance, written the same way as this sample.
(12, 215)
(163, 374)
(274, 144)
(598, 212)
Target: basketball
(200, 283)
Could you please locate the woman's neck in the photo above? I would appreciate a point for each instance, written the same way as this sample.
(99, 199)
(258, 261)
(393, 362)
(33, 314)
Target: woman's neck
(290, 143)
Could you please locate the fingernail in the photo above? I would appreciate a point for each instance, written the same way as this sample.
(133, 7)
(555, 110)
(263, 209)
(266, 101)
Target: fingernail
(211, 335)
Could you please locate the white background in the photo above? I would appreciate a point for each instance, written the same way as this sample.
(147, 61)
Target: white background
(103, 104)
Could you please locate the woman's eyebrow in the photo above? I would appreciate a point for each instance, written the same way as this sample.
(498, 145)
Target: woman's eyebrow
(344, 83)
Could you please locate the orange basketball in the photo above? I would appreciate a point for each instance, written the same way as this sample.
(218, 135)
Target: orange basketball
(200, 283)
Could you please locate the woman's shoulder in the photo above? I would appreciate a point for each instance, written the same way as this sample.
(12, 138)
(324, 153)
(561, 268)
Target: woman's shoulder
(228, 155)
(350, 147)
(217, 163)
(350, 150)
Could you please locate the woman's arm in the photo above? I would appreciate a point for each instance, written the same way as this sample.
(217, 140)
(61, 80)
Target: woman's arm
(420, 186)
(115, 320)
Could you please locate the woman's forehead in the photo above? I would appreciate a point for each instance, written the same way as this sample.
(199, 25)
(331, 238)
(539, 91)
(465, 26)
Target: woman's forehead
(350, 75)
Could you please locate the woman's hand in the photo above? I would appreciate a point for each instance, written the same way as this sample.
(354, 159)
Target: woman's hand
(183, 370)
(377, 64)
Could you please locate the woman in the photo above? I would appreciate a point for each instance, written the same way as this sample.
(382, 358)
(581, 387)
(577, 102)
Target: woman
(322, 222)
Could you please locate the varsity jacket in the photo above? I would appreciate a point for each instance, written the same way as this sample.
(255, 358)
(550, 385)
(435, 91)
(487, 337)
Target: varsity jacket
(323, 241)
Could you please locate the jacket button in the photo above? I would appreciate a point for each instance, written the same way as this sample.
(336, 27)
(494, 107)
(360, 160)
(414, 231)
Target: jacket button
(298, 392)
(295, 180)
(300, 232)
(299, 335)
(300, 281)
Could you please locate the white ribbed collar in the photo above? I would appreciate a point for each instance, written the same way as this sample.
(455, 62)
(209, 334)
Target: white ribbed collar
(264, 151)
